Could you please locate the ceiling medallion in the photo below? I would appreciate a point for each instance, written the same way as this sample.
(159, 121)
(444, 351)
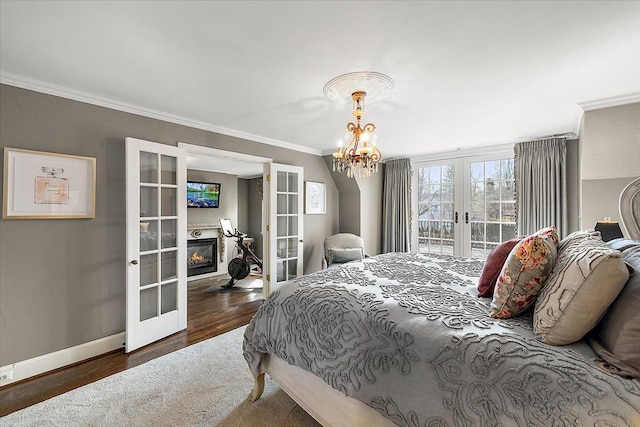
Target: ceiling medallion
(361, 155)
(340, 89)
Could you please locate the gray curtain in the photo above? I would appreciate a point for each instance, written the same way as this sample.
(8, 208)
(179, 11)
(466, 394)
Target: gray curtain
(396, 206)
(541, 185)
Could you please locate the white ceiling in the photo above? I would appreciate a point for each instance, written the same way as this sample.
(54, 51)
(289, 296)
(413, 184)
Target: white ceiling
(467, 73)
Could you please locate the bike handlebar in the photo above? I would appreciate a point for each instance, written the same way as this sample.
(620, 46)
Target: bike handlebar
(237, 233)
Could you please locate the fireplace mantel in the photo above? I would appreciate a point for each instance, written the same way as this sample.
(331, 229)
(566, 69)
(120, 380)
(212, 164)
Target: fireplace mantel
(202, 226)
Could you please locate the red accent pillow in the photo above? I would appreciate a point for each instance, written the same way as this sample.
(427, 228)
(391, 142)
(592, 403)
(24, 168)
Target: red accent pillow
(493, 265)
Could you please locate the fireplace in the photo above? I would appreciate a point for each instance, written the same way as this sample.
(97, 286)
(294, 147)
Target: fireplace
(202, 256)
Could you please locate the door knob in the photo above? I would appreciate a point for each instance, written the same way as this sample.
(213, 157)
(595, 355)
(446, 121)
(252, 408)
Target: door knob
(134, 262)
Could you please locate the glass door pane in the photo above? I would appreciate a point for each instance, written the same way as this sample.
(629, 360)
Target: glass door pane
(150, 264)
(287, 220)
(436, 209)
(492, 204)
(168, 201)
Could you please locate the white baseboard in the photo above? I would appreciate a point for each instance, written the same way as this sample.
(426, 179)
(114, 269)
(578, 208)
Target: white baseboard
(48, 362)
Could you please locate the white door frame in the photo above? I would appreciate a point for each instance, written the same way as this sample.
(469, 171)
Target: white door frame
(215, 152)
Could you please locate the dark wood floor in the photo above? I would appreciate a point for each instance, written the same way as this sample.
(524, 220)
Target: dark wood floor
(209, 314)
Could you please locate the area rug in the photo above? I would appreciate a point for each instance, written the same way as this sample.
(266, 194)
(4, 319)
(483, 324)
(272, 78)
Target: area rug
(249, 284)
(205, 384)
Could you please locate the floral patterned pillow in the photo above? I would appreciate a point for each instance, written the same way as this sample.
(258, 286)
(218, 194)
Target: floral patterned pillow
(523, 273)
(493, 266)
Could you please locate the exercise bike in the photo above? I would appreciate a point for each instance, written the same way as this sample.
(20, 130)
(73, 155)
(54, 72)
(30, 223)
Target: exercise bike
(240, 266)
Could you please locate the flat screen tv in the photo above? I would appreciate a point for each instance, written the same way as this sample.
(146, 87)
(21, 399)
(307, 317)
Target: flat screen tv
(203, 194)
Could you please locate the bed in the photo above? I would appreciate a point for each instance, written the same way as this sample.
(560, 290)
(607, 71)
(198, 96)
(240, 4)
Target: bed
(403, 339)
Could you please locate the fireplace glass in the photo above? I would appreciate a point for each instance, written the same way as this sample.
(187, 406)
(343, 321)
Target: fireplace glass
(202, 256)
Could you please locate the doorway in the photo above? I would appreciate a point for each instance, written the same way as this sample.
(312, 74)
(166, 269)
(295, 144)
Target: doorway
(240, 179)
(159, 173)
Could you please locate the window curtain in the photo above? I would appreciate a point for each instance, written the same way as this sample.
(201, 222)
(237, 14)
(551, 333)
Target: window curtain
(396, 206)
(541, 185)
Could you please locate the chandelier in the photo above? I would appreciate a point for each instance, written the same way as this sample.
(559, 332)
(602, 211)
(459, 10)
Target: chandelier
(360, 156)
(361, 153)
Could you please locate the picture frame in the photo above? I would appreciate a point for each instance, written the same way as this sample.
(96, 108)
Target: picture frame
(42, 185)
(315, 198)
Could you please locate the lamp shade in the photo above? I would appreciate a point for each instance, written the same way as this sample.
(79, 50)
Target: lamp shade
(609, 230)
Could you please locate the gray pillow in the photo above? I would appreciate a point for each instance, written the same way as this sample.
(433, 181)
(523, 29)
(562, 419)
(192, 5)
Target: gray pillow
(341, 255)
(622, 244)
(616, 339)
(587, 278)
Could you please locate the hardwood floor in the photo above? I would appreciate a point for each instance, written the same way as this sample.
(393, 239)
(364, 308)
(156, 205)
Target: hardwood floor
(209, 314)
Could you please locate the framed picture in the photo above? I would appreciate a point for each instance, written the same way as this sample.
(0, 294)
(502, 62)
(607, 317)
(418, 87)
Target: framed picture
(315, 198)
(41, 185)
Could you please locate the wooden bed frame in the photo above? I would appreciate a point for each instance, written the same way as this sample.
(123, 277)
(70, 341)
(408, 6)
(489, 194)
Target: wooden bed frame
(325, 404)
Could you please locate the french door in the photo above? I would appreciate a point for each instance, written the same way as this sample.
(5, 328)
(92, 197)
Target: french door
(465, 206)
(156, 242)
(284, 224)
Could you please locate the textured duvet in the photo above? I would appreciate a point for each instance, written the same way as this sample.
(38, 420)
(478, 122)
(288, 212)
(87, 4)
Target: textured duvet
(407, 335)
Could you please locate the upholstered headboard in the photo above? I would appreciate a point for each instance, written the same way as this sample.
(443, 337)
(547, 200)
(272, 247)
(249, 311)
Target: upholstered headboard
(630, 209)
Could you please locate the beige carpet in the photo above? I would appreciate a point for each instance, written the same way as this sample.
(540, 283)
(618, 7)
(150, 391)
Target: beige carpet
(205, 384)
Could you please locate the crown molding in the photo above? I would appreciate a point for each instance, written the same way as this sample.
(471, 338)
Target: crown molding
(64, 92)
(464, 152)
(613, 101)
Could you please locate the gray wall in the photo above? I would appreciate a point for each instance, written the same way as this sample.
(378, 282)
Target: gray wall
(601, 198)
(349, 200)
(371, 211)
(609, 159)
(360, 206)
(231, 199)
(250, 211)
(62, 282)
(242, 218)
(318, 226)
(254, 214)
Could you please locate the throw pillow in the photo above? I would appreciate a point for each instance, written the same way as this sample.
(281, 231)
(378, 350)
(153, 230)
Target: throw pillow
(523, 273)
(623, 244)
(619, 331)
(493, 266)
(342, 255)
(577, 236)
(587, 277)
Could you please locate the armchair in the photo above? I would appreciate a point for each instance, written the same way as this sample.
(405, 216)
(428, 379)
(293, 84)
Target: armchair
(341, 248)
